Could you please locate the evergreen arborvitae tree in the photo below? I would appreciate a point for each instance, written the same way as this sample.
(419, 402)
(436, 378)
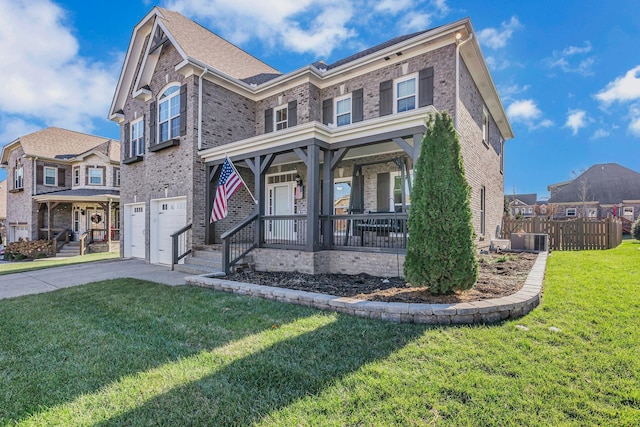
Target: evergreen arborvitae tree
(635, 229)
(441, 249)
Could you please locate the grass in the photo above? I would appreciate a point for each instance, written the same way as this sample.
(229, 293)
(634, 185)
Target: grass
(129, 352)
(22, 266)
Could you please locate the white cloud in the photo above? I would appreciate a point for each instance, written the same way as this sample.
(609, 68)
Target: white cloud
(526, 111)
(576, 119)
(634, 125)
(44, 80)
(508, 92)
(392, 6)
(14, 127)
(600, 133)
(563, 60)
(496, 38)
(622, 89)
(496, 64)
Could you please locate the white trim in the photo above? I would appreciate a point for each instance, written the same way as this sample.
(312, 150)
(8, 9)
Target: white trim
(335, 109)
(285, 122)
(55, 176)
(167, 99)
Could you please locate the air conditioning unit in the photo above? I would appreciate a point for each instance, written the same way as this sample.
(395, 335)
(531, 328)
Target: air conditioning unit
(536, 242)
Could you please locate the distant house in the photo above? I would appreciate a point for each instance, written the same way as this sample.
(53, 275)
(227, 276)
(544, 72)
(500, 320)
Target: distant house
(62, 180)
(522, 204)
(602, 190)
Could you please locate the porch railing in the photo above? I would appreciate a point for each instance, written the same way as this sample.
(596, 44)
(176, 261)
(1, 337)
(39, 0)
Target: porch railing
(84, 242)
(284, 230)
(373, 231)
(60, 239)
(180, 247)
(238, 242)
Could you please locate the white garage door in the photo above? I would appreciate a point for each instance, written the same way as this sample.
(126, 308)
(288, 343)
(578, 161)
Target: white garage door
(135, 231)
(19, 232)
(170, 216)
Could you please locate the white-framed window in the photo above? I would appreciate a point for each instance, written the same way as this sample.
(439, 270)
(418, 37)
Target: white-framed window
(50, 176)
(18, 175)
(116, 177)
(628, 211)
(405, 93)
(529, 210)
(76, 176)
(137, 138)
(482, 209)
(95, 176)
(396, 191)
(592, 212)
(485, 125)
(281, 117)
(343, 110)
(76, 221)
(169, 114)
(570, 212)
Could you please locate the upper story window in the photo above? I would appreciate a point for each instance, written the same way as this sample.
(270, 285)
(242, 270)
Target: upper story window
(76, 176)
(571, 212)
(405, 93)
(343, 110)
(50, 176)
(169, 114)
(95, 176)
(281, 117)
(137, 138)
(18, 175)
(485, 126)
(116, 177)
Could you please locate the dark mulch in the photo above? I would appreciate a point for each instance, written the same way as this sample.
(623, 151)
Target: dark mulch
(499, 275)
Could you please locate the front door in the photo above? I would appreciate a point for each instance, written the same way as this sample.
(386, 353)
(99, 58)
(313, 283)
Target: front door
(96, 224)
(281, 202)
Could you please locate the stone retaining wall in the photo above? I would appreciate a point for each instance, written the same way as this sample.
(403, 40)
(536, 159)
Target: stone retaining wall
(485, 311)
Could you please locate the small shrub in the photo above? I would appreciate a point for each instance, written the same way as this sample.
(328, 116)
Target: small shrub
(635, 229)
(502, 258)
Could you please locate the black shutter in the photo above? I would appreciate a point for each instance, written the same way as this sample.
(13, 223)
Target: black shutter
(152, 123)
(61, 174)
(39, 174)
(183, 110)
(357, 106)
(386, 97)
(383, 194)
(292, 114)
(357, 193)
(425, 87)
(327, 111)
(127, 141)
(268, 120)
(144, 142)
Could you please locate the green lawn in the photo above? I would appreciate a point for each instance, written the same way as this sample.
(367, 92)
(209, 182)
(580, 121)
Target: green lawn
(128, 352)
(22, 266)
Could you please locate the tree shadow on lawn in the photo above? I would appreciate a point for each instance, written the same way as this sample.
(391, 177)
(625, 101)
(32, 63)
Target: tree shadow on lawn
(250, 388)
(82, 339)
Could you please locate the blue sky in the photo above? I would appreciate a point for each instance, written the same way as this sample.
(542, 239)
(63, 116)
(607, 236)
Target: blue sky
(568, 72)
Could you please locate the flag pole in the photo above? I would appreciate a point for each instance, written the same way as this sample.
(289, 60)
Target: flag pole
(240, 176)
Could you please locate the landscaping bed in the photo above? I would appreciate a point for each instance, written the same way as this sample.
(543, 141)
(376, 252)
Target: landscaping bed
(499, 275)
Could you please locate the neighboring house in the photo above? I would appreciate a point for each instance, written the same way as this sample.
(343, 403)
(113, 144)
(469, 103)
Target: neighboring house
(3, 211)
(60, 179)
(522, 204)
(187, 98)
(602, 190)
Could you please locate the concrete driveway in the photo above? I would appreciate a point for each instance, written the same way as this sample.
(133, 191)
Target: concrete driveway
(51, 279)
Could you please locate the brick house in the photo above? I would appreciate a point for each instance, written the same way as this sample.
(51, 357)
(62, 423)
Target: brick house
(3, 211)
(306, 143)
(525, 205)
(602, 190)
(62, 180)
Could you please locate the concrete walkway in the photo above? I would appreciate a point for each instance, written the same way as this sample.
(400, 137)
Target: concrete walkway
(51, 279)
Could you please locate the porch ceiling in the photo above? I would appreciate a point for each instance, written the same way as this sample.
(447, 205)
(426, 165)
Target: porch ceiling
(80, 195)
(372, 136)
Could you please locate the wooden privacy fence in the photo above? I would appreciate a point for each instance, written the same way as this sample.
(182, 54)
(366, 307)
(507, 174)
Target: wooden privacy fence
(569, 235)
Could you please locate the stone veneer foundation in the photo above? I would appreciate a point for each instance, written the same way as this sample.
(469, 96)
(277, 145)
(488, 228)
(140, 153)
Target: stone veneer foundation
(485, 311)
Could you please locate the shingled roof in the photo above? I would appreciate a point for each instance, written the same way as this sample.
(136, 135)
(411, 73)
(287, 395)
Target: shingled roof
(526, 199)
(63, 144)
(606, 183)
(203, 45)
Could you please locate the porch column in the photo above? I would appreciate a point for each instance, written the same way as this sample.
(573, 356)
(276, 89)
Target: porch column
(259, 166)
(48, 221)
(108, 225)
(327, 199)
(313, 199)
(212, 174)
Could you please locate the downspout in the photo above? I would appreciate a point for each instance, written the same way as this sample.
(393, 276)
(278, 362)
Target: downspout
(455, 123)
(200, 108)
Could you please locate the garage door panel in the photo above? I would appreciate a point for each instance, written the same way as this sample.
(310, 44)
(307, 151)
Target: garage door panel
(137, 241)
(172, 216)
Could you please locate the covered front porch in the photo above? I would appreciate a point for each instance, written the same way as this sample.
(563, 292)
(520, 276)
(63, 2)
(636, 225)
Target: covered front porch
(327, 199)
(89, 217)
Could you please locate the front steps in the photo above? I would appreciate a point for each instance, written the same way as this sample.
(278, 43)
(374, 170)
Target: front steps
(68, 250)
(203, 260)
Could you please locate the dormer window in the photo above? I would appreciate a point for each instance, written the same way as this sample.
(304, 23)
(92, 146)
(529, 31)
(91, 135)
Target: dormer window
(169, 114)
(95, 175)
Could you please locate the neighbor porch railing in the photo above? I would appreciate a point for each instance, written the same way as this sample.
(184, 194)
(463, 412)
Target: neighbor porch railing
(60, 239)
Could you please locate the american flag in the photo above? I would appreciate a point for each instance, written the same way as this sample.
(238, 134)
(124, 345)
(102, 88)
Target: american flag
(227, 185)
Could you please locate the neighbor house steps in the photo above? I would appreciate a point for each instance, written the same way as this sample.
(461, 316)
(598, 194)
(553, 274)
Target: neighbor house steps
(68, 250)
(203, 260)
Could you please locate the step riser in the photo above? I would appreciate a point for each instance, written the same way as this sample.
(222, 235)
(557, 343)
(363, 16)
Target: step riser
(203, 262)
(188, 269)
(207, 255)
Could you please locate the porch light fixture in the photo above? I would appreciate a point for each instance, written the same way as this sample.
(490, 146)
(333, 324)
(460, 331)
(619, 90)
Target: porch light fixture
(298, 179)
(82, 212)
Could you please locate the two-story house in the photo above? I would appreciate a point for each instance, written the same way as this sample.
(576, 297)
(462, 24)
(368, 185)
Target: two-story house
(326, 150)
(62, 180)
